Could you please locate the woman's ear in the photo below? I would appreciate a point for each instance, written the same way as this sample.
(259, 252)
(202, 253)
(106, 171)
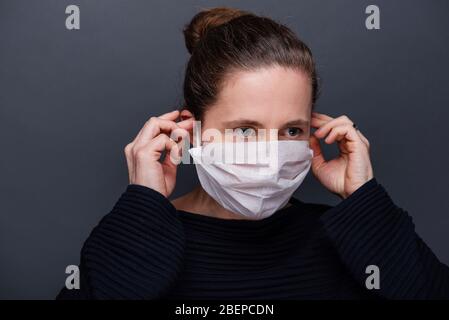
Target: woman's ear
(186, 114)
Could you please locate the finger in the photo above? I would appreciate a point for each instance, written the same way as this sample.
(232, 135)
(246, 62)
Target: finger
(153, 149)
(318, 158)
(321, 116)
(173, 155)
(129, 160)
(317, 122)
(364, 139)
(178, 134)
(153, 128)
(319, 119)
(162, 143)
(186, 124)
(146, 132)
(165, 143)
(327, 127)
(172, 115)
(182, 138)
(167, 121)
(170, 166)
(343, 132)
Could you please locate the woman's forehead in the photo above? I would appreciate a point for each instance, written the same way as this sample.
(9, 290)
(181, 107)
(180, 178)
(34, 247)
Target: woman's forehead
(268, 92)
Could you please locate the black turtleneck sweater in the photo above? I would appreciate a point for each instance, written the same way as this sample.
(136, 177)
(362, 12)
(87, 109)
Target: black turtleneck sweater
(146, 249)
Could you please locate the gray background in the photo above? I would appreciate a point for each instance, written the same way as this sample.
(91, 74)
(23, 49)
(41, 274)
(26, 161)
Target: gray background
(71, 100)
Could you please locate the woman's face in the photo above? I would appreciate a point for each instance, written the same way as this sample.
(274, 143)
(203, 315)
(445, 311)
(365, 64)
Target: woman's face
(268, 98)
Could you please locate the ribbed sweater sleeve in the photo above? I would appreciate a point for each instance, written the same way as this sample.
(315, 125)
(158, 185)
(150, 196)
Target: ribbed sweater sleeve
(135, 252)
(367, 228)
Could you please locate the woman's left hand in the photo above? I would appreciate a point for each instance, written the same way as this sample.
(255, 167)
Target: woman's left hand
(352, 168)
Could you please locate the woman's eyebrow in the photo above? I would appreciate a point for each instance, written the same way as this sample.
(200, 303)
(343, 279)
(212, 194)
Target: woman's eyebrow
(249, 122)
(297, 122)
(240, 122)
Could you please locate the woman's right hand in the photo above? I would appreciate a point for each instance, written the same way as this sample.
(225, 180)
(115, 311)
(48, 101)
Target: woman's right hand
(144, 153)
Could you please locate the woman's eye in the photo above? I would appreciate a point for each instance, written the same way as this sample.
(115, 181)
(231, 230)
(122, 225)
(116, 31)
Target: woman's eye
(294, 132)
(245, 132)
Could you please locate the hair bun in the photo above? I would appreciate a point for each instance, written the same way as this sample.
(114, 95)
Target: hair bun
(206, 20)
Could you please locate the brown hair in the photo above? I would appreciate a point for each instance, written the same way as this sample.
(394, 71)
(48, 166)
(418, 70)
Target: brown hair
(222, 40)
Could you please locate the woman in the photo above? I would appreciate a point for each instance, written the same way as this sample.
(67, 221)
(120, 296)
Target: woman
(240, 234)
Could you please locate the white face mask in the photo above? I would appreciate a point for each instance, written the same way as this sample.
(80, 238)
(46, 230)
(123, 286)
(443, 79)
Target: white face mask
(255, 183)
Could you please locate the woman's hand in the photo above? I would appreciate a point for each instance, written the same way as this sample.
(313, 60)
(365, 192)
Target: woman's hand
(144, 153)
(352, 168)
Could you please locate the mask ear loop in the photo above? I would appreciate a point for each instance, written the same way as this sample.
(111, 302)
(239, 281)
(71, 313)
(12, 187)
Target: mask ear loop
(197, 134)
